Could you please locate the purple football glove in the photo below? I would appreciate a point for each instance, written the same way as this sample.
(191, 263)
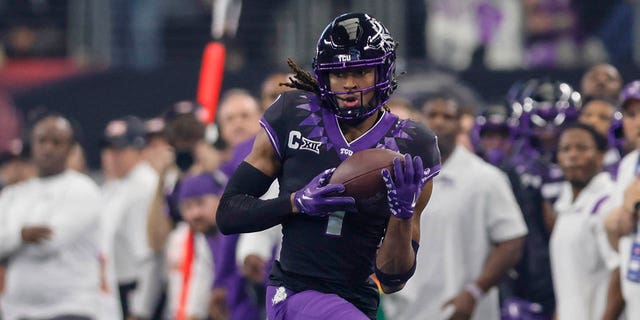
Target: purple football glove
(318, 198)
(404, 191)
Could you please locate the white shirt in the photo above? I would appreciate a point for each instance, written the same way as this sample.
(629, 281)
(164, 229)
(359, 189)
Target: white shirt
(471, 208)
(581, 258)
(265, 244)
(58, 276)
(123, 231)
(200, 277)
(630, 290)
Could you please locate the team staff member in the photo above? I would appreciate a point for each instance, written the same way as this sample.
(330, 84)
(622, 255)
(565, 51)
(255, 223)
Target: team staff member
(330, 249)
(581, 258)
(472, 232)
(48, 232)
(125, 249)
(622, 221)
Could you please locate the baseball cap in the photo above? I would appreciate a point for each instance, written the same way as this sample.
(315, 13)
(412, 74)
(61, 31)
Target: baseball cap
(127, 132)
(630, 92)
(184, 108)
(154, 126)
(200, 185)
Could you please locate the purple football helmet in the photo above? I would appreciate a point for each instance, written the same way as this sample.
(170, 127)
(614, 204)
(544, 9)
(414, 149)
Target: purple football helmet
(550, 103)
(546, 106)
(496, 120)
(355, 40)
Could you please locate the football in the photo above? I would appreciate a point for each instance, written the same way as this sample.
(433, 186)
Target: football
(362, 178)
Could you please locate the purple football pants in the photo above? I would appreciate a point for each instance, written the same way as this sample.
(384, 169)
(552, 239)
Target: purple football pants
(284, 304)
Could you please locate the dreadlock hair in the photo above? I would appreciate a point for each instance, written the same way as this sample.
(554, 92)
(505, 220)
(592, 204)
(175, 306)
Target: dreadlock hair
(301, 79)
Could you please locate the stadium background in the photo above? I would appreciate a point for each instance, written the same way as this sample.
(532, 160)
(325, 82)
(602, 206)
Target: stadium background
(99, 60)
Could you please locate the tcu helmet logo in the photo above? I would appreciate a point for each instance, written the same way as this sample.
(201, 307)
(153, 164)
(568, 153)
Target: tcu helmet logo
(298, 142)
(381, 40)
(344, 58)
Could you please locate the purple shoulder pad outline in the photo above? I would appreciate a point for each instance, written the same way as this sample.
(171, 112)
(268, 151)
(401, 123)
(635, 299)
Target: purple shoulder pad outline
(272, 136)
(599, 203)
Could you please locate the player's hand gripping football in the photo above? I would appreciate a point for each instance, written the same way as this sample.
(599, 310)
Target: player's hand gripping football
(318, 198)
(403, 191)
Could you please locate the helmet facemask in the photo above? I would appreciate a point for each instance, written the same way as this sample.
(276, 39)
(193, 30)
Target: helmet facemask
(350, 42)
(381, 89)
(494, 133)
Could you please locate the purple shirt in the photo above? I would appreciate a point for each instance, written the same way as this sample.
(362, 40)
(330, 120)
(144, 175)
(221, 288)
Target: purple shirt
(241, 151)
(227, 275)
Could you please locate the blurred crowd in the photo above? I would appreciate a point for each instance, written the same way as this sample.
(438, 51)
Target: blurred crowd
(138, 239)
(143, 239)
(455, 34)
(538, 191)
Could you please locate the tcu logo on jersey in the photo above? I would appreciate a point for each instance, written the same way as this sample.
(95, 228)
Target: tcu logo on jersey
(346, 151)
(298, 142)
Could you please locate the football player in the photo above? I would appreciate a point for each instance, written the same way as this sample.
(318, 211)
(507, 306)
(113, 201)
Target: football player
(539, 108)
(329, 248)
(494, 134)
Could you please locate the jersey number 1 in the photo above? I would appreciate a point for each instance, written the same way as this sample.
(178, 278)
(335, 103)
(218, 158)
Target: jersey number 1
(334, 224)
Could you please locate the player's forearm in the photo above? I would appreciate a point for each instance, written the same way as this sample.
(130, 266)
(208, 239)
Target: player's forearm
(241, 210)
(242, 213)
(503, 257)
(396, 255)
